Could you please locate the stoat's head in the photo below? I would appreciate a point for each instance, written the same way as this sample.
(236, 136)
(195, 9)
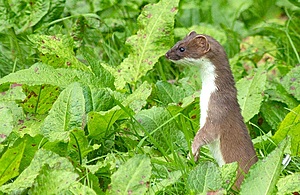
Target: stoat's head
(193, 46)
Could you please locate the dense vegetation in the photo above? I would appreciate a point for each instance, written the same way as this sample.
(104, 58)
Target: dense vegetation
(89, 104)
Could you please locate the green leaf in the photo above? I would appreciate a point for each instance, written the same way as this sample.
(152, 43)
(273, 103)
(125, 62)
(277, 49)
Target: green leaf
(14, 93)
(40, 98)
(40, 74)
(51, 181)
(10, 115)
(23, 15)
(79, 188)
(290, 127)
(289, 184)
(151, 42)
(205, 177)
(132, 177)
(228, 172)
(250, 90)
(78, 147)
(278, 93)
(57, 51)
(27, 178)
(65, 115)
(291, 82)
(274, 112)
(100, 122)
(172, 178)
(263, 175)
(159, 122)
(10, 162)
(168, 93)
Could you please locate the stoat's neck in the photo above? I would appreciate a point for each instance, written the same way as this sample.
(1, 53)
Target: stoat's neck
(208, 77)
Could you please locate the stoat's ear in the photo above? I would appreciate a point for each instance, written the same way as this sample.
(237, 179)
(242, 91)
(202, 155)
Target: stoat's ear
(203, 43)
(192, 33)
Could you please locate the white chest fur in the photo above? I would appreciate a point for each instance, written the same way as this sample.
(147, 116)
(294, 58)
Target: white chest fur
(208, 76)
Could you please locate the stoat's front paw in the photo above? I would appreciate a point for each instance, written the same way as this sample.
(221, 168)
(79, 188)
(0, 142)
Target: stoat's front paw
(195, 152)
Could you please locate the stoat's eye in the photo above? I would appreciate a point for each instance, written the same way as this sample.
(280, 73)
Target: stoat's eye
(181, 49)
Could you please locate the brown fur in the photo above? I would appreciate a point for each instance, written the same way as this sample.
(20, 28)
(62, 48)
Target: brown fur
(224, 120)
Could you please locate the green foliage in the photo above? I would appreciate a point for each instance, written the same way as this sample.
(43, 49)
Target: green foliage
(264, 174)
(132, 177)
(89, 105)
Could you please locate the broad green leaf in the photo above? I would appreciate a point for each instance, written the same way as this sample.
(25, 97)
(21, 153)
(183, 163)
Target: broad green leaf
(168, 93)
(65, 115)
(250, 90)
(100, 122)
(10, 115)
(14, 93)
(51, 181)
(274, 112)
(205, 177)
(132, 177)
(290, 127)
(149, 44)
(28, 176)
(263, 175)
(98, 99)
(40, 74)
(159, 122)
(291, 82)
(79, 188)
(57, 51)
(40, 98)
(6, 122)
(10, 162)
(289, 184)
(172, 178)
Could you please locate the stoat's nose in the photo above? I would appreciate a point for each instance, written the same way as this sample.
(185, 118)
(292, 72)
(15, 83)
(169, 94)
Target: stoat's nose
(167, 55)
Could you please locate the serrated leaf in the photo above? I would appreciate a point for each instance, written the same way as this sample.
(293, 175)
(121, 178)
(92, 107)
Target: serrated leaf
(205, 177)
(57, 51)
(28, 176)
(289, 184)
(40, 74)
(132, 177)
(263, 175)
(291, 82)
(168, 93)
(290, 127)
(10, 162)
(250, 91)
(52, 181)
(152, 41)
(65, 115)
